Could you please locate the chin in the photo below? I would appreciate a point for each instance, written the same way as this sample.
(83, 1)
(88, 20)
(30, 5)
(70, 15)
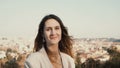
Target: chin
(53, 43)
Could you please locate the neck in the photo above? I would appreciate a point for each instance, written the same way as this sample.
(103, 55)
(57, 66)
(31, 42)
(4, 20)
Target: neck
(52, 50)
(54, 55)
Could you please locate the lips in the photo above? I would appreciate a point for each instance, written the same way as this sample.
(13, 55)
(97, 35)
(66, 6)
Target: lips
(53, 37)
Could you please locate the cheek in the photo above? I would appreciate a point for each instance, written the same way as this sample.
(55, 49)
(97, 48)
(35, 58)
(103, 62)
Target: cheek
(60, 34)
(46, 34)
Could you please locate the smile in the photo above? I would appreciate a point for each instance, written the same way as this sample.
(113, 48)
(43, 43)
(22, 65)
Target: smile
(53, 37)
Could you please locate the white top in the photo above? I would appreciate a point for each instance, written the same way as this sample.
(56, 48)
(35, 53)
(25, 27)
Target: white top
(40, 60)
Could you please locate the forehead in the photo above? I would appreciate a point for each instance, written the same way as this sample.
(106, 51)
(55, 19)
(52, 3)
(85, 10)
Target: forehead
(51, 23)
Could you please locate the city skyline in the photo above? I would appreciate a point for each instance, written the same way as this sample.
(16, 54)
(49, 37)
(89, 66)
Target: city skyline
(89, 18)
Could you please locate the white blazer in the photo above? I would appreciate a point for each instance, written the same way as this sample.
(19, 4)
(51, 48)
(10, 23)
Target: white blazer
(40, 60)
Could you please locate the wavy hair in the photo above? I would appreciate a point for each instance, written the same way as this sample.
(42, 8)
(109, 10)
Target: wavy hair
(65, 44)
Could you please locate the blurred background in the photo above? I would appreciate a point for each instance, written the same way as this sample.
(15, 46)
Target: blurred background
(94, 25)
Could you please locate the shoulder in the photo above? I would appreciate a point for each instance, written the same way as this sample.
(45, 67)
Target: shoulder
(32, 60)
(34, 56)
(66, 56)
(68, 60)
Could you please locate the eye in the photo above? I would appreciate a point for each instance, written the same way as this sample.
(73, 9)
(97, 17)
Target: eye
(57, 28)
(47, 29)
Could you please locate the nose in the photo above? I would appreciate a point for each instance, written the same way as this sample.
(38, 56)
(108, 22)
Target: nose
(53, 32)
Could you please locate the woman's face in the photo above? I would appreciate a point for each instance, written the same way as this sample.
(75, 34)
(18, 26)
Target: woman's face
(52, 32)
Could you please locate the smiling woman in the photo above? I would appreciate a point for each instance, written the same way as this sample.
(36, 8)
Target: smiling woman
(52, 32)
(53, 45)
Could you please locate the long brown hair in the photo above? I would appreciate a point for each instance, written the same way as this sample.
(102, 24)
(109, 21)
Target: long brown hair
(65, 44)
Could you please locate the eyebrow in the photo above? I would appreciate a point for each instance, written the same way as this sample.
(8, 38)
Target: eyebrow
(50, 27)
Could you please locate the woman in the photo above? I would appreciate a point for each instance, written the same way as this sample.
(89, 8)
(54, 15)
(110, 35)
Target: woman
(53, 46)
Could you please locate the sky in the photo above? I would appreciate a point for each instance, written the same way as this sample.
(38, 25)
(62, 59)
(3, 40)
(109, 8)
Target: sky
(83, 18)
